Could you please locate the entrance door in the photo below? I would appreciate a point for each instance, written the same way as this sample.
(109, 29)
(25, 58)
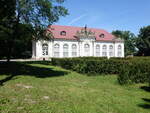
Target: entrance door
(45, 49)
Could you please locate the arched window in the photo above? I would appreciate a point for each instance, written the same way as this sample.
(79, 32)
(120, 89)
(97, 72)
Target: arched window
(63, 33)
(74, 50)
(119, 51)
(56, 50)
(87, 49)
(104, 51)
(97, 50)
(111, 53)
(65, 50)
(45, 49)
(102, 35)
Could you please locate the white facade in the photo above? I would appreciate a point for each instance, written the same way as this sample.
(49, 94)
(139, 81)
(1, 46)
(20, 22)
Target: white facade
(69, 41)
(60, 48)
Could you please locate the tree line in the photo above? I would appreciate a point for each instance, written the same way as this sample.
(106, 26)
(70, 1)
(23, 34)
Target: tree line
(135, 45)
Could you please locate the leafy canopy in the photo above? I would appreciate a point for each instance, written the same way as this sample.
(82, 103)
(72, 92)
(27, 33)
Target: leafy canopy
(143, 41)
(40, 13)
(15, 15)
(129, 41)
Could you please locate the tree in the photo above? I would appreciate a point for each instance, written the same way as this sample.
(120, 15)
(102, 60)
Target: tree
(143, 41)
(7, 14)
(7, 9)
(37, 13)
(129, 41)
(23, 44)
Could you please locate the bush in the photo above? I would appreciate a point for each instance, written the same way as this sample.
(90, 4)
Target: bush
(135, 72)
(88, 65)
(129, 70)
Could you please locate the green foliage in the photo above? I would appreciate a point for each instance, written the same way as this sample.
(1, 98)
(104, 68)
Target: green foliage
(129, 41)
(17, 15)
(22, 44)
(129, 70)
(135, 71)
(40, 13)
(89, 65)
(7, 8)
(7, 16)
(143, 41)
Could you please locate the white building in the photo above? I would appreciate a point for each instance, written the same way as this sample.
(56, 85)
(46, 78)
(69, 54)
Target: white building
(71, 41)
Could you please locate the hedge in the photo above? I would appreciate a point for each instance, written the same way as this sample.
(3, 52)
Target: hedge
(81, 65)
(135, 71)
(129, 70)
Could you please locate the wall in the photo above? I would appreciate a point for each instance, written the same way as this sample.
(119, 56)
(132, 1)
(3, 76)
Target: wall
(37, 47)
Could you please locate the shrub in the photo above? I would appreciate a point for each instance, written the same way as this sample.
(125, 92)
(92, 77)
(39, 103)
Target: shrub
(135, 72)
(129, 70)
(89, 65)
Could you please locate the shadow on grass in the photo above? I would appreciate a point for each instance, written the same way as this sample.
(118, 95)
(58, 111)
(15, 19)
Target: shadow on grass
(146, 104)
(16, 68)
(146, 88)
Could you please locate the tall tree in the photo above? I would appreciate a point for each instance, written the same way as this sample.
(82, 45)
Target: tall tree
(7, 14)
(143, 41)
(38, 13)
(129, 41)
(22, 45)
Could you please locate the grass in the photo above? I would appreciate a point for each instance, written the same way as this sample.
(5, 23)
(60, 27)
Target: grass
(40, 88)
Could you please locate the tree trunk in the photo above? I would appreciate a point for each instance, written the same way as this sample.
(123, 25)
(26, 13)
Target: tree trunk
(12, 38)
(9, 52)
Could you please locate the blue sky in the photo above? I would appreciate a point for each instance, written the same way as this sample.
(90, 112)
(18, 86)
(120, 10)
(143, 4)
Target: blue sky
(108, 14)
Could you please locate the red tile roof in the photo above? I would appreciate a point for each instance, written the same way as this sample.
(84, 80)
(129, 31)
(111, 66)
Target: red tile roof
(71, 32)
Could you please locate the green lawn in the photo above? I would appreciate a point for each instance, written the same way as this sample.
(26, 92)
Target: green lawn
(39, 88)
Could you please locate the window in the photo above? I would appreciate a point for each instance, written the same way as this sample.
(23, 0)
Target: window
(97, 50)
(56, 50)
(44, 49)
(86, 47)
(101, 35)
(74, 50)
(104, 51)
(65, 50)
(111, 53)
(119, 51)
(63, 33)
